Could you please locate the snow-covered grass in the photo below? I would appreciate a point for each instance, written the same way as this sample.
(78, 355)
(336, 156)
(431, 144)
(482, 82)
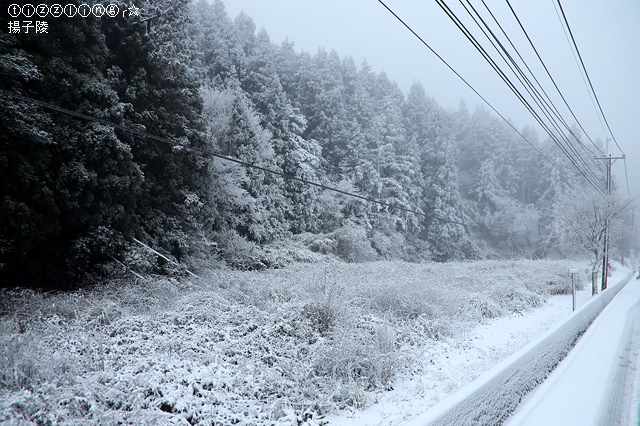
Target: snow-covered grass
(282, 346)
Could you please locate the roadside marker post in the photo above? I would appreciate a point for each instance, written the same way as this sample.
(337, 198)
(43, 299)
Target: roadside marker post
(573, 272)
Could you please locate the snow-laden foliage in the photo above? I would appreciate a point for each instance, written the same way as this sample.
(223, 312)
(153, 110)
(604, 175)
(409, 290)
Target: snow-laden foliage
(283, 346)
(192, 85)
(586, 218)
(75, 190)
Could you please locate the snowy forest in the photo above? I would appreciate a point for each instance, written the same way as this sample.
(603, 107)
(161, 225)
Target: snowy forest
(200, 226)
(135, 120)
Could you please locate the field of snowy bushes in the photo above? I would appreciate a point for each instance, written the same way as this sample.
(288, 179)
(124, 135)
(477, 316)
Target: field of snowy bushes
(285, 346)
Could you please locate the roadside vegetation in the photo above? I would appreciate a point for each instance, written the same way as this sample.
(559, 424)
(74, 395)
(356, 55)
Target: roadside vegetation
(281, 346)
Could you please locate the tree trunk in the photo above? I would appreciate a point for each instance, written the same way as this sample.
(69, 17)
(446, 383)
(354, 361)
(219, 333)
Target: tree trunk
(594, 273)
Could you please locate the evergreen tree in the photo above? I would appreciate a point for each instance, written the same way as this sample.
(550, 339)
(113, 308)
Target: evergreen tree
(218, 53)
(244, 198)
(71, 185)
(556, 183)
(29, 212)
(297, 157)
(151, 76)
(488, 189)
(324, 107)
(396, 164)
(431, 128)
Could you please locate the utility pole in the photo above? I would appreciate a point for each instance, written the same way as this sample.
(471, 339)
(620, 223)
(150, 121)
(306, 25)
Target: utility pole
(605, 252)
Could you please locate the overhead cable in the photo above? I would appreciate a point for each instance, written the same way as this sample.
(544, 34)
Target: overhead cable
(544, 65)
(222, 157)
(437, 55)
(585, 148)
(586, 173)
(549, 110)
(626, 175)
(584, 68)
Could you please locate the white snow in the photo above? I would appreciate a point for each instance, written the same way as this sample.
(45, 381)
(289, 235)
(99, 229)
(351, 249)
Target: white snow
(249, 348)
(488, 348)
(578, 391)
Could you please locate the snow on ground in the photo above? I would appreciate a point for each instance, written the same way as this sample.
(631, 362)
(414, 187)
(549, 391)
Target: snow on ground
(280, 347)
(491, 398)
(592, 383)
(452, 363)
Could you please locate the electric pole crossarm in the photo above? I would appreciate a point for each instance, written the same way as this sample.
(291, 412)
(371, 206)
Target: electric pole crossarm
(609, 157)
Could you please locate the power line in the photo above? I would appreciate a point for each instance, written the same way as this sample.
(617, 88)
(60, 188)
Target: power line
(549, 110)
(586, 173)
(589, 152)
(553, 81)
(515, 15)
(471, 87)
(587, 74)
(592, 179)
(547, 102)
(576, 60)
(465, 81)
(222, 157)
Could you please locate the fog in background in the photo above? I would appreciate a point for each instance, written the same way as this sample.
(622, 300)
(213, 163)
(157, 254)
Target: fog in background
(607, 34)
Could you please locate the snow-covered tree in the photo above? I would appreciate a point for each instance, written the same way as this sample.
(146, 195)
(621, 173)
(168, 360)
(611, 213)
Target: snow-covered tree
(243, 197)
(442, 225)
(586, 214)
(70, 185)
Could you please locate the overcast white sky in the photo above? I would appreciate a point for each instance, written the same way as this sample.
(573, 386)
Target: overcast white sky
(607, 33)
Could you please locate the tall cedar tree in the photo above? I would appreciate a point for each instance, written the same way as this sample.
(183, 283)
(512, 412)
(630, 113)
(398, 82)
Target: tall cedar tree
(69, 184)
(150, 72)
(74, 190)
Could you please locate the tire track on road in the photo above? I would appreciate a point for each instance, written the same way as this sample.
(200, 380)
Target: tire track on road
(620, 407)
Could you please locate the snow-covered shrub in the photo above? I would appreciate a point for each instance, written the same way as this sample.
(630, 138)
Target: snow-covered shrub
(350, 394)
(22, 305)
(557, 286)
(140, 260)
(485, 307)
(515, 299)
(431, 328)
(105, 312)
(353, 244)
(364, 353)
(281, 346)
(31, 359)
(18, 366)
(239, 252)
(327, 302)
(324, 245)
(552, 277)
(243, 254)
(281, 253)
(121, 296)
(388, 244)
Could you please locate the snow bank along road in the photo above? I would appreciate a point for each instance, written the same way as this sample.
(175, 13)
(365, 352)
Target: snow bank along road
(492, 397)
(598, 382)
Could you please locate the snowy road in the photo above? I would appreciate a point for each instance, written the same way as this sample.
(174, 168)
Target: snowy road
(598, 383)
